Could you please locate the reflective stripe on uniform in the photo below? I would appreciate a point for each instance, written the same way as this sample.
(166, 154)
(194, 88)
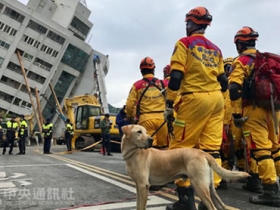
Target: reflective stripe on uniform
(180, 123)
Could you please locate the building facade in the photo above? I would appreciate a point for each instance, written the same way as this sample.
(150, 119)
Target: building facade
(51, 38)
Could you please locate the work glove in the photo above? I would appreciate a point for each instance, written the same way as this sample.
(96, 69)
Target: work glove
(168, 113)
(239, 120)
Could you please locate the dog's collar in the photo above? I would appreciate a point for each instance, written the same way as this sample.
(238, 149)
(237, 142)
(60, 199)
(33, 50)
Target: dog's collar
(130, 153)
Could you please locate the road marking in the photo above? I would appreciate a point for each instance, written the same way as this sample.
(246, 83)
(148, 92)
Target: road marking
(109, 173)
(24, 183)
(119, 184)
(152, 200)
(16, 175)
(3, 175)
(7, 185)
(34, 165)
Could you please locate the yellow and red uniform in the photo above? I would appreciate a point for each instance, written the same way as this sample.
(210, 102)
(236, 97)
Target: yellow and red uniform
(259, 129)
(199, 120)
(152, 106)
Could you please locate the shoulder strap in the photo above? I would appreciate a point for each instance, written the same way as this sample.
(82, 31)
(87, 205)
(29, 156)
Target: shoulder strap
(150, 82)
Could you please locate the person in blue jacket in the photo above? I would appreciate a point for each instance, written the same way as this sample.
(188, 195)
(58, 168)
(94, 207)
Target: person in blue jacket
(121, 120)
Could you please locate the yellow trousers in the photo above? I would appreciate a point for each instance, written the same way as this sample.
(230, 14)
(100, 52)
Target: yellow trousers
(199, 123)
(160, 139)
(262, 138)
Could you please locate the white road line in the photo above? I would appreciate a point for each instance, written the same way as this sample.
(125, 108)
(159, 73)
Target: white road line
(7, 185)
(3, 175)
(153, 200)
(33, 165)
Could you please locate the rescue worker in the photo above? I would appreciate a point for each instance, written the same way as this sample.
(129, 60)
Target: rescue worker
(69, 131)
(166, 72)
(105, 126)
(47, 134)
(256, 122)
(12, 128)
(149, 99)
(197, 72)
(121, 120)
(227, 147)
(23, 133)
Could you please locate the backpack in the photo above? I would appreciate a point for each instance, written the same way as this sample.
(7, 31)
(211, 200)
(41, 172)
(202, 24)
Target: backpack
(263, 84)
(151, 82)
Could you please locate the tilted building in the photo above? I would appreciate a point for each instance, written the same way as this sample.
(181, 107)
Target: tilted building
(51, 38)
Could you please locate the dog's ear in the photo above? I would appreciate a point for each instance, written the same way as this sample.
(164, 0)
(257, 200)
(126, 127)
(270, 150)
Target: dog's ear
(127, 130)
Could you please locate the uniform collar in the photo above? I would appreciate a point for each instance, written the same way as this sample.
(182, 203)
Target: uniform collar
(197, 34)
(148, 76)
(249, 51)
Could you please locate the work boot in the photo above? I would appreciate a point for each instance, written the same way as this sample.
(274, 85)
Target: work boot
(223, 185)
(253, 184)
(270, 196)
(109, 154)
(186, 199)
(201, 206)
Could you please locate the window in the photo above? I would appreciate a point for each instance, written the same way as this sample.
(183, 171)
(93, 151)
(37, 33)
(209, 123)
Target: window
(55, 53)
(37, 27)
(55, 37)
(80, 26)
(4, 45)
(14, 67)
(10, 82)
(27, 56)
(1, 26)
(13, 14)
(17, 101)
(36, 77)
(31, 41)
(36, 44)
(44, 48)
(75, 58)
(7, 29)
(49, 50)
(42, 64)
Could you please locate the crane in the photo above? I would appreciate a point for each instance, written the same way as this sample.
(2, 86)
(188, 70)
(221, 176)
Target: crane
(100, 88)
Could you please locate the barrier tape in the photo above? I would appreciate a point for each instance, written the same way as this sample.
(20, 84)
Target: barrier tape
(88, 147)
(117, 201)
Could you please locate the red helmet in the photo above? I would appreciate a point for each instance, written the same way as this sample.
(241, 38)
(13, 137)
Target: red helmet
(147, 63)
(199, 15)
(246, 34)
(166, 69)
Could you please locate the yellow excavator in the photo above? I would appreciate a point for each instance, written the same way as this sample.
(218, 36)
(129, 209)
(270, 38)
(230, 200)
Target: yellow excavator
(85, 112)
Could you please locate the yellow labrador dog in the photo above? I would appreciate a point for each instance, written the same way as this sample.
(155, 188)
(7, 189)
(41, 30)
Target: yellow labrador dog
(157, 167)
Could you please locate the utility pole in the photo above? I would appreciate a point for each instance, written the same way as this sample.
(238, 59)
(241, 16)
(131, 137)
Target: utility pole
(29, 92)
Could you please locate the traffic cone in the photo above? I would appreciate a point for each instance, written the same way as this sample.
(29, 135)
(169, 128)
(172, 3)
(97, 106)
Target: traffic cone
(102, 151)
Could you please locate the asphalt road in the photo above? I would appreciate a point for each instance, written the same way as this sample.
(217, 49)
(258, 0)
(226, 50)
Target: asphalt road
(84, 180)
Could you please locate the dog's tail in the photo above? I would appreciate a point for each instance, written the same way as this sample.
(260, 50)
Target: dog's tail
(224, 173)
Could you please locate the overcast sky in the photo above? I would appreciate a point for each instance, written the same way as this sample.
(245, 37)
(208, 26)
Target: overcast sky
(129, 30)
